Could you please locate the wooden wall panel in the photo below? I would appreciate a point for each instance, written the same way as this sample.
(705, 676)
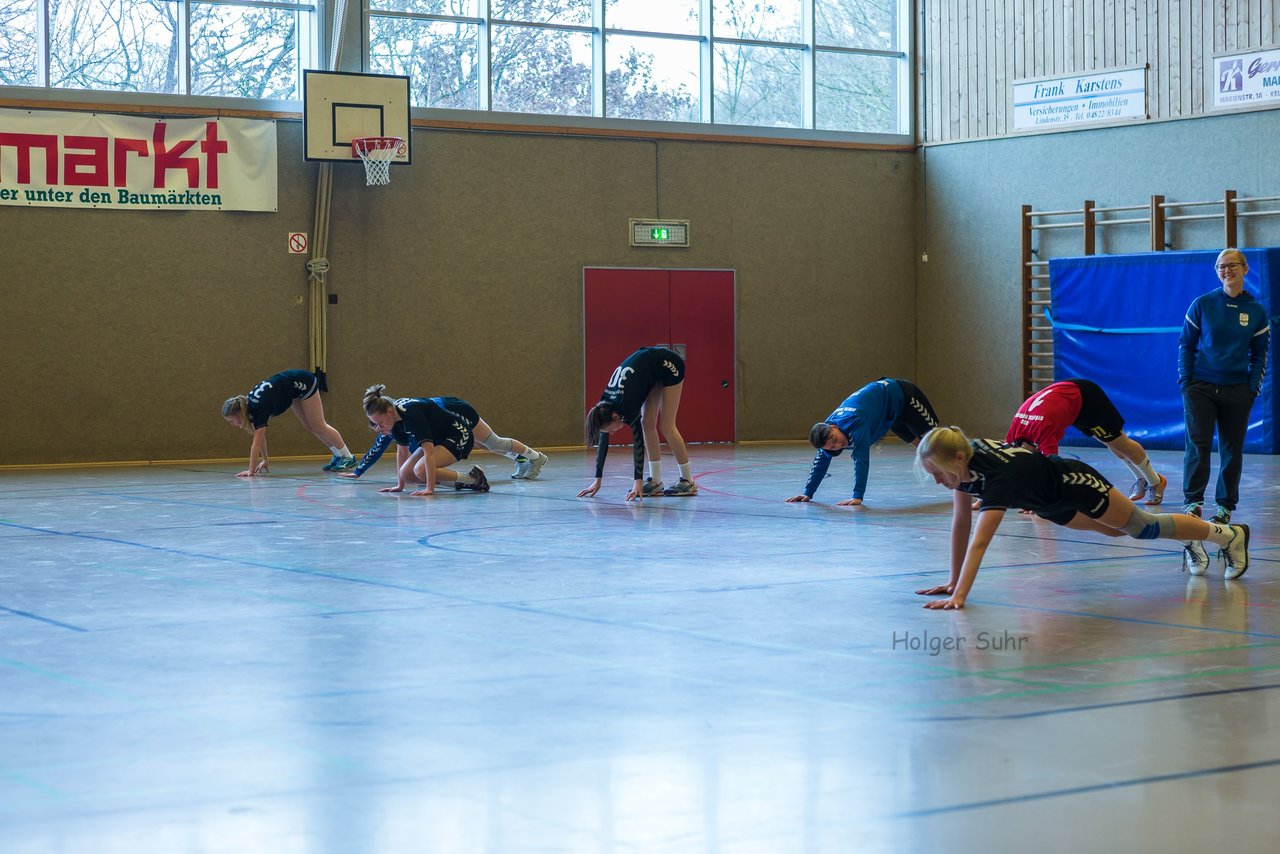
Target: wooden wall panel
(972, 51)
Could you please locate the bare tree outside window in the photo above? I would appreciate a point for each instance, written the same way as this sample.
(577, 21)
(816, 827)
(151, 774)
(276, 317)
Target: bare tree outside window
(439, 58)
(244, 51)
(120, 45)
(18, 50)
(537, 70)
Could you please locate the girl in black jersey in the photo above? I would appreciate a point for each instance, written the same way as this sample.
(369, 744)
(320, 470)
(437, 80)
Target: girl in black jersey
(294, 390)
(1064, 491)
(643, 392)
(529, 462)
(444, 436)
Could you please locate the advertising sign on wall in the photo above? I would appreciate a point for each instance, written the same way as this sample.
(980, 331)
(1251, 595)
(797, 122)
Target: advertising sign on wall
(1246, 79)
(99, 160)
(1080, 99)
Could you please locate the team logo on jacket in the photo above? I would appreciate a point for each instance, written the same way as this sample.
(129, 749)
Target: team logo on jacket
(1244, 318)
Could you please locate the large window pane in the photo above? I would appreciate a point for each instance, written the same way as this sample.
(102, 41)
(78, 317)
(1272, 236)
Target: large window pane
(244, 51)
(541, 71)
(124, 45)
(857, 93)
(543, 11)
(18, 51)
(455, 8)
(439, 57)
(869, 24)
(768, 20)
(757, 86)
(651, 79)
(653, 16)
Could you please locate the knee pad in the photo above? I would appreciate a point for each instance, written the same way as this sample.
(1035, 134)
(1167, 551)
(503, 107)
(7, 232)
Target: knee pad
(1149, 526)
(497, 443)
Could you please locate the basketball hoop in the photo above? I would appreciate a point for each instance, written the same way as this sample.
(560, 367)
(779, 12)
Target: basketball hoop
(377, 152)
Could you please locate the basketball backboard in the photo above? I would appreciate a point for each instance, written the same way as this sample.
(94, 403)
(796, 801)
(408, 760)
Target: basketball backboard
(339, 107)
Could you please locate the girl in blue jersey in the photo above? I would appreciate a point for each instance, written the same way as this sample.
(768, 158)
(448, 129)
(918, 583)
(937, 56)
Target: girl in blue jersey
(859, 422)
(529, 462)
(286, 390)
(643, 393)
(1064, 491)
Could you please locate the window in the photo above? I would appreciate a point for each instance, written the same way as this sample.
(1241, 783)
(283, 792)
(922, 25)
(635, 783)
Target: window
(827, 65)
(198, 47)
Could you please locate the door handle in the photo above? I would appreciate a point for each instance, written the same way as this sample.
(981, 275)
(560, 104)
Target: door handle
(724, 383)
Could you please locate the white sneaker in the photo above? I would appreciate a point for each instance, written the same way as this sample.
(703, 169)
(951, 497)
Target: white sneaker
(1195, 559)
(1237, 552)
(535, 464)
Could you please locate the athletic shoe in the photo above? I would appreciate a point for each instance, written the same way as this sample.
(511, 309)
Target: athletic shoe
(1138, 491)
(684, 487)
(337, 458)
(343, 464)
(481, 482)
(1195, 559)
(1222, 516)
(1194, 508)
(1237, 552)
(536, 464)
(652, 487)
(522, 468)
(1157, 492)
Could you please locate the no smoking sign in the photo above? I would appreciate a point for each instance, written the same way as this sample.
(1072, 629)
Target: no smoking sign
(298, 243)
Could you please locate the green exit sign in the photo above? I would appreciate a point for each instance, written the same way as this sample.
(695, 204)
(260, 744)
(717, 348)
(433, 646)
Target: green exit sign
(667, 232)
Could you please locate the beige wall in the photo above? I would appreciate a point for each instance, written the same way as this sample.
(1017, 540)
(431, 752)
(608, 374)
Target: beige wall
(463, 276)
(972, 51)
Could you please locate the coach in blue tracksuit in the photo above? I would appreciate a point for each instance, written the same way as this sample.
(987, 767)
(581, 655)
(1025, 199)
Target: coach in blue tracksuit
(1222, 358)
(861, 421)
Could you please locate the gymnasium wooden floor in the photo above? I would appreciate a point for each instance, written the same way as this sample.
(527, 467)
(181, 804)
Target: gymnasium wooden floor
(195, 663)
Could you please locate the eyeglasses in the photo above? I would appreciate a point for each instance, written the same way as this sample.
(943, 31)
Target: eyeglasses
(1225, 268)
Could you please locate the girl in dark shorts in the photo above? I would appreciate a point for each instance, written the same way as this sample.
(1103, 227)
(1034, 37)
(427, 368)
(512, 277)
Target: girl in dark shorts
(443, 437)
(529, 462)
(1063, 491)
(1043, 419)
(286, 390)
(643, 393)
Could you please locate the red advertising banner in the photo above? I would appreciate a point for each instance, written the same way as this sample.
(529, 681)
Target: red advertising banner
(101, 160)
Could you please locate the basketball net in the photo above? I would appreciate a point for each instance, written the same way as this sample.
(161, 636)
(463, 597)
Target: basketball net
(377, 152)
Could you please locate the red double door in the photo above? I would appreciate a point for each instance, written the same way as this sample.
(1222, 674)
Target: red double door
(690, 311)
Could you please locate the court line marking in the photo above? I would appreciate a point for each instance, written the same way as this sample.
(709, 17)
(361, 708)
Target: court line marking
(1084, 790)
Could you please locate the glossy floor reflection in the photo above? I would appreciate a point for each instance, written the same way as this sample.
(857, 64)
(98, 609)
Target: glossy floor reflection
(195, 663)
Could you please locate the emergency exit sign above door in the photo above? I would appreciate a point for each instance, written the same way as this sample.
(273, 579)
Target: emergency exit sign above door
(654, 232)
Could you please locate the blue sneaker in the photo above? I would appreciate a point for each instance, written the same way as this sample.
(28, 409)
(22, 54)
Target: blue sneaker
(343, 464)
(329, 466)
(684, 487)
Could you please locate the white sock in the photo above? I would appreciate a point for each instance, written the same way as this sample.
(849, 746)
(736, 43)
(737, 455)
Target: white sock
(655, 470)
(341, 452)
(1220, 535)
(1134, 469)
(465, 478)
(686, 473)
(1149, 472)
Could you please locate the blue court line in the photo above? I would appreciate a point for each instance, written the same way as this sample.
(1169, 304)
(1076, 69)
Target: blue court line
(1044, 713)
(1084, 790)
(40, 619)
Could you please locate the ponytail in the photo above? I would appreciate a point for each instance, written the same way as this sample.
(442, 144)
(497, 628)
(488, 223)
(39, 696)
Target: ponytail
(941, 444)
(819, 434)
(376, 400)
(598, 416)
(238, 405)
